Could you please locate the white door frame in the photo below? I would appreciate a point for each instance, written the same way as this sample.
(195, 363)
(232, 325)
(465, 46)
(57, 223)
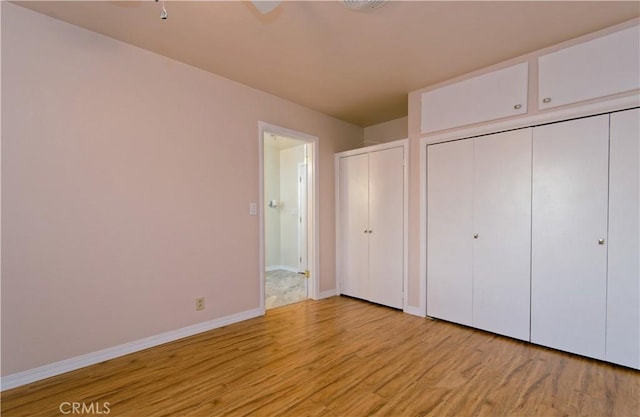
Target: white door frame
(303, 226)
(312, 204)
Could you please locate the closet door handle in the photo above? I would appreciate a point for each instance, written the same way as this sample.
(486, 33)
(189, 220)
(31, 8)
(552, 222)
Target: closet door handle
(601, 241)
(475, 235)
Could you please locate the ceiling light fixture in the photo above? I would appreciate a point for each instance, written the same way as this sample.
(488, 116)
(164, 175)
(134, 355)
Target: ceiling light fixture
(363, 4)
(163, 12)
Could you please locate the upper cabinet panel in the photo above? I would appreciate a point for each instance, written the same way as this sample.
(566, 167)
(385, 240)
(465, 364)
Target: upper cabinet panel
(592, 69)
(490, 96)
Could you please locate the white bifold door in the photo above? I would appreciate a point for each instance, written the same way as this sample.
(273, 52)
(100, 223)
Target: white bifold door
(371, 231)
(478, 232)
(623, 277)
(569, 235)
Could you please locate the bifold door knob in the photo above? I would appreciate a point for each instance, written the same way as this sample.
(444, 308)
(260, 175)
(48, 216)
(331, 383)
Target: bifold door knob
(475, 235)
(600, 241)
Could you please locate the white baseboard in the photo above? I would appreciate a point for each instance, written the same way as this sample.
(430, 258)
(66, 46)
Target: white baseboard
(415, 311)
(282, 267)
(327, 294)
(67, 365)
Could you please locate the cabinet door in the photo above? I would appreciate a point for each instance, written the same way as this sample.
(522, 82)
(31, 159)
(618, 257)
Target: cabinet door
(502, 221)
(354, 214)
(490, 96)
(623, 281)
(449, 231)
(568, 282)
(592, 69)
(386, 237)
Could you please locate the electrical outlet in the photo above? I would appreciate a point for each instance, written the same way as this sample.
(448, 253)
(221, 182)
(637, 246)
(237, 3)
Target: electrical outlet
(199, 303)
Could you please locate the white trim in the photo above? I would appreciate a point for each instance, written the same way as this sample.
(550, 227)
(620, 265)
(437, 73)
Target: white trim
(303, 203)
(405, 225)
(549, 116)
(338, 246)
(403, 143)
(67, 365)
(327, 294)
(314, 219)
(281, 267)
(421, 310)
(414, 311)
(382, 146)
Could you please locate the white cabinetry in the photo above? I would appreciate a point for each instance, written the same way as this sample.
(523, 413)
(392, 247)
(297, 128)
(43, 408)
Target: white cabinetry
(490, 96)
(502, 224)
(478, 226)
(354, 225)
(596, 68)
(623, 278)
(449, 231)
(371, 218)
(569, 232)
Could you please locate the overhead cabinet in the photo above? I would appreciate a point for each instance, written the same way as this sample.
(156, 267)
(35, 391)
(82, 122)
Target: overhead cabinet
(490, 96)
(478, 232)
(596, 68)
(371, 217)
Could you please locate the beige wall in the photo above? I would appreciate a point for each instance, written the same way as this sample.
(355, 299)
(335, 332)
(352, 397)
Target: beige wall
(126, 181)
(387, 132)
(289, 160)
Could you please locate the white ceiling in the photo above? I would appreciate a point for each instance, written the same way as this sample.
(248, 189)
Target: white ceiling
(355, 65)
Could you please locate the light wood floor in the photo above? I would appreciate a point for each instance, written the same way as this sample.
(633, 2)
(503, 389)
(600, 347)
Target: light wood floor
(341, 357)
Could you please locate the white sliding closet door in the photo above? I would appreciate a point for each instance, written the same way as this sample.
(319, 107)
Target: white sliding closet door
(450, 231)
(502, 222)
(569, 264)
(354, 215)
(623, 281)
(386, 235)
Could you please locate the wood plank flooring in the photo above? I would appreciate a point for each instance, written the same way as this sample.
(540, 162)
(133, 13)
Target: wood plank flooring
(340, 357)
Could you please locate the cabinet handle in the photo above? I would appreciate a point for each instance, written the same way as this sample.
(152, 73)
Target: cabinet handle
(370, 231)
(546, 100)
(601, 241)
(517, 106)
(475, 235)
(366, 231)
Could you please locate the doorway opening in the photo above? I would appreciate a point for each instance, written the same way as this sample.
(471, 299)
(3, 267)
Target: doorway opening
(287, 219)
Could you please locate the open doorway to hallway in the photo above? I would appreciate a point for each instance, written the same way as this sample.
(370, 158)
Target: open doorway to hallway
(287, 207)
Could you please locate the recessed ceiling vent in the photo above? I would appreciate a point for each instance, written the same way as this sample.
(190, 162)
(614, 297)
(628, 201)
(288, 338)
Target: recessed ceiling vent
(363, 4)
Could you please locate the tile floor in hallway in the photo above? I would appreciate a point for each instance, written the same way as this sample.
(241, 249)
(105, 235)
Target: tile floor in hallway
(284, 287)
